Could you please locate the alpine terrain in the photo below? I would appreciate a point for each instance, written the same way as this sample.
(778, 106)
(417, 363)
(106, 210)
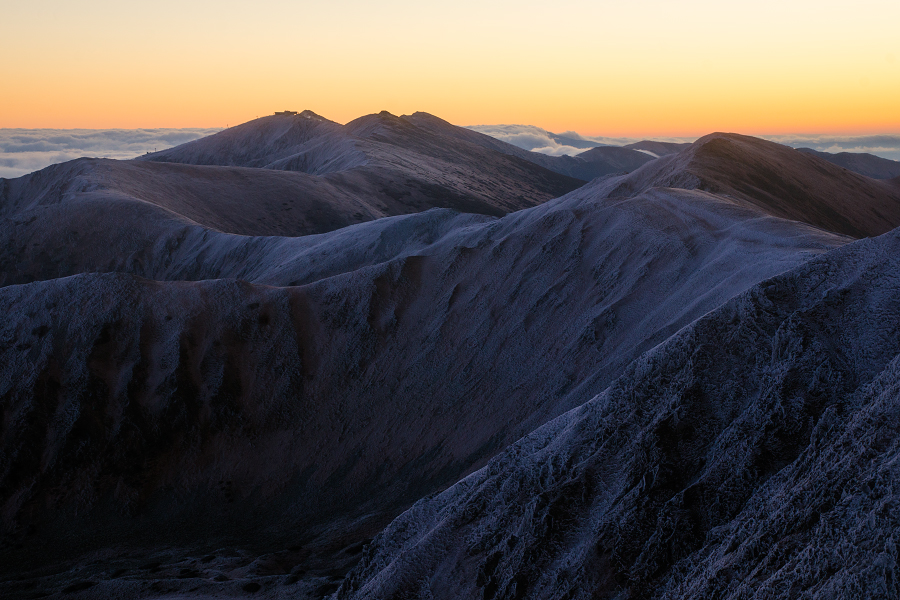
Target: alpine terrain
(397, 358)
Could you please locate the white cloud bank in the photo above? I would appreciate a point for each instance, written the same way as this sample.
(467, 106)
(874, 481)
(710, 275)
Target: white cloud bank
(529, 137)
(885, 146)
(540, 140)
(25, 150)
(536, 139)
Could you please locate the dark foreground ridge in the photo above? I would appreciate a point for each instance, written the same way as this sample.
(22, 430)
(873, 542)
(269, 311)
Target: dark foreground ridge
(655, 385)
(754, 454)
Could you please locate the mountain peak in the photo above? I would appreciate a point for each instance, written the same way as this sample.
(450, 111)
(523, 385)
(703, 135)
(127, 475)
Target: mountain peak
(305, 114)
(308, 114)
(726, 135)
(420, 117)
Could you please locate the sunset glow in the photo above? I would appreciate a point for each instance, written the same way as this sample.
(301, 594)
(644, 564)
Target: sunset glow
(600, 68)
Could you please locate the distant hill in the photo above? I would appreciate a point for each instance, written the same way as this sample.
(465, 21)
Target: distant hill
(597, 160)
(658, 148)
(301, 174)
(588, 165)
(605, 160)
(863, 163)
(778, 179)
(263, 142)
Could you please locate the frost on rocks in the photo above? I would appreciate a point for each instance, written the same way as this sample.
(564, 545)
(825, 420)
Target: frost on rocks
(752, 455)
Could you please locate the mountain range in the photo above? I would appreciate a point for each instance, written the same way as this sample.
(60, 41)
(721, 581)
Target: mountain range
(401, 359)
(863, 163)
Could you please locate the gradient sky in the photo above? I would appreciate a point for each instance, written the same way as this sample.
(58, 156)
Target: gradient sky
(639, 68)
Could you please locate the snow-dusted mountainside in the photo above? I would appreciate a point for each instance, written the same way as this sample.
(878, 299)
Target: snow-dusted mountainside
(588, 165)
(394, 147)
(200, 415)
(606, 160)
(104, 195)
(292, 175)
(863, 163)
(628, 390)
(268, 141)
(778, 179)
(657, 148)
(753, 455)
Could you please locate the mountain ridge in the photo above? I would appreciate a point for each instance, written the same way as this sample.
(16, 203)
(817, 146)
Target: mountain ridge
(776, 178)
(863, 163)
(669, 484)
(299, 175)
(578, 397)
(234, 368)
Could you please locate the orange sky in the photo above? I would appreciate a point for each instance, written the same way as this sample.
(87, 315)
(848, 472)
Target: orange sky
(647, 67)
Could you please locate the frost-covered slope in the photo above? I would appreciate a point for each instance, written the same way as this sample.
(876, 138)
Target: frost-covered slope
(606, 160)
(778, 179)
(220, 412)
(197, 402)
(752, 455)
(863, 163)
(262, 142)
(587, 165)
(417, 159)
(105, 197)
(658, 148)
(283, 175)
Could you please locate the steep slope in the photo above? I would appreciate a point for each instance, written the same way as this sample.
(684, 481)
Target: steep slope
(600, 161)
(158, 415)
(317, 178)
(565, 165)
(863, 163)
(379, 146)
(606, 160)
(264, 141)
(188, 412)
(231, 199)
(70, 239)
(657, 148)
(753, 455)
(778, 179)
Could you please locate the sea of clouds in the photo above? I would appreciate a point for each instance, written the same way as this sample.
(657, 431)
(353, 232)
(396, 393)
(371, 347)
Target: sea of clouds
(885, 146)
(540, 140)
(536, 139)
(25, 150)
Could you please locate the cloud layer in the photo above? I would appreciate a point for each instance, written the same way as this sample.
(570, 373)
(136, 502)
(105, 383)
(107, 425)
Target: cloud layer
(529, 137)
(540, 140)
(885, 146)
(536, 139)
(25, 150)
